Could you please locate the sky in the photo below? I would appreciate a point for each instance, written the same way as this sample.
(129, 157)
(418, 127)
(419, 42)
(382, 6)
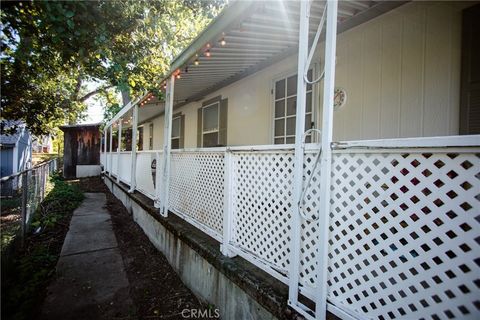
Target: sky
(95, 108)
(94, 113)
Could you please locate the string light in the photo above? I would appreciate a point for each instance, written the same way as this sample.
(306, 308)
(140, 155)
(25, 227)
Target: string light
(178, 76)
(196, 62)
(207, 53)
(208, 45)
(186, 69)
(223, 42)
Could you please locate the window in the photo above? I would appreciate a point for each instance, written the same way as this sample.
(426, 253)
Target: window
(210, 128)
(212, 123)
(285, 108)
(150, 136)
(178, 122)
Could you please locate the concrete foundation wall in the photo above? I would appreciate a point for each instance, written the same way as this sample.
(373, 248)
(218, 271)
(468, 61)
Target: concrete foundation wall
(207, 282)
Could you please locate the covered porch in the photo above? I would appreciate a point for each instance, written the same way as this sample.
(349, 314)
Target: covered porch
(383, 228)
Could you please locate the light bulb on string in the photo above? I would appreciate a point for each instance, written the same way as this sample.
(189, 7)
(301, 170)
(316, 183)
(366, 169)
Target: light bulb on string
(207, 53)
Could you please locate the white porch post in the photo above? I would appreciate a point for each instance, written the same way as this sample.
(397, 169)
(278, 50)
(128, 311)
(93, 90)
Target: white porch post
(326, 157)
(167, 145)
(105, 138)
(119, 146)
(110, 165)
(225, 247)
(133, 162)
(298, 162)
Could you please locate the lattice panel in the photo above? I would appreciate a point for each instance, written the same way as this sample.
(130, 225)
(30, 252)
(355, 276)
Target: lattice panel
(146, 168)
(263, 209)
(114, 163)
(310, 229)
(263, 197)
(405, 239)
(102, 158)
(197, 188)
(125, 166)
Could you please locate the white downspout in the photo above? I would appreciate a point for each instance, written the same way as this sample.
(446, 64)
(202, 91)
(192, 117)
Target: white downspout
(299, 154)
(167, 146)
(326, 158)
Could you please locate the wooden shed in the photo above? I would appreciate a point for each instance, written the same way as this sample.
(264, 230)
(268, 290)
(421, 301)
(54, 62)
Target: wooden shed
(81, 156)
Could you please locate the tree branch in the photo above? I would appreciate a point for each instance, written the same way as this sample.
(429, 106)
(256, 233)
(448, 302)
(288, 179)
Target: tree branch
(77, 87)
(94, 92)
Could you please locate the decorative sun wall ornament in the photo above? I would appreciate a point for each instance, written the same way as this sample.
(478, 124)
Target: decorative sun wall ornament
(339, 98)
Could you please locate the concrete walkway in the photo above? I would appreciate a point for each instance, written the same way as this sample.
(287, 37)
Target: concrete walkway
(91, 282)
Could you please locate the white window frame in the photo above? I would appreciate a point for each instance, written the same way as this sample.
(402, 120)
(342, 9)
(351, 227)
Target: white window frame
(179, 118)
(313, 113)
(217, 129)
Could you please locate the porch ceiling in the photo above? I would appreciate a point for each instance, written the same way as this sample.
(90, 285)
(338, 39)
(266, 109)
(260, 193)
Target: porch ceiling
(257, 35)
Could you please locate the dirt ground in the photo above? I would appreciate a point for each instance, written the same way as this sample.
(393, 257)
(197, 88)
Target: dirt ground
(155, 288)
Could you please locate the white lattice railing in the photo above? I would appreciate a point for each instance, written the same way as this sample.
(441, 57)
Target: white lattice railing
(124, 165)
(114, 163)
(196, 188)
(102, 158)
(404, 220)
(148, 162)
(404, 233)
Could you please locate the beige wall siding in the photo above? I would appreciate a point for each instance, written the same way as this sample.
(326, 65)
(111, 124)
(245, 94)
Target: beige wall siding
(401, 72)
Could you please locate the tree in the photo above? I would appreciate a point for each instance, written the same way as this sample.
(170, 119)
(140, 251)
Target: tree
(51, 50)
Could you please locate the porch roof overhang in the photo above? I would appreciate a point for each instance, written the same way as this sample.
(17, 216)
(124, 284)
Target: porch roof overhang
(257, 34)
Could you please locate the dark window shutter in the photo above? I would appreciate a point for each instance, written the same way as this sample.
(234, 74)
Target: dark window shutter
(470, 85)
(222, 133)
(182, 131)
(140, 139)
(199, 128)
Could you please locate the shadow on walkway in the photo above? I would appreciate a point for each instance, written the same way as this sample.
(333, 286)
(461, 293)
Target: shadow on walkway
(90, 282)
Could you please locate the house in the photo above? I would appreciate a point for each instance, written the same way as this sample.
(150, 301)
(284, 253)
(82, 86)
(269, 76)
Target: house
(16, 150)
(348, 172)
(43, 144)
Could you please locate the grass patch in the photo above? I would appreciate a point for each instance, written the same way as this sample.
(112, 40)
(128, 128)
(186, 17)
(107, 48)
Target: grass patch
(23, 287)
(10, 203)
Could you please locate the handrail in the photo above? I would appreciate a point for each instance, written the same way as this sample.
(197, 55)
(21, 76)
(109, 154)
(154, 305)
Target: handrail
(3, 179)
(423, 142)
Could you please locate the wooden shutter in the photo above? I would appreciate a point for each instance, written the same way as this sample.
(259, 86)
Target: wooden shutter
(182, 132)
(199, 127)
(470, 85)
(222, 133)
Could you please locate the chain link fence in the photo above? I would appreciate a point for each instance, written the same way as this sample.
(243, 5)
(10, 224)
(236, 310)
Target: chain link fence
(21, 194)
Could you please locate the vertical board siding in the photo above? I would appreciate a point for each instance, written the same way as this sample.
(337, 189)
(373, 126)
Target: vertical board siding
(412, 73)
(372, 80)
(437, 69)
(391, 81)
(401, 73)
